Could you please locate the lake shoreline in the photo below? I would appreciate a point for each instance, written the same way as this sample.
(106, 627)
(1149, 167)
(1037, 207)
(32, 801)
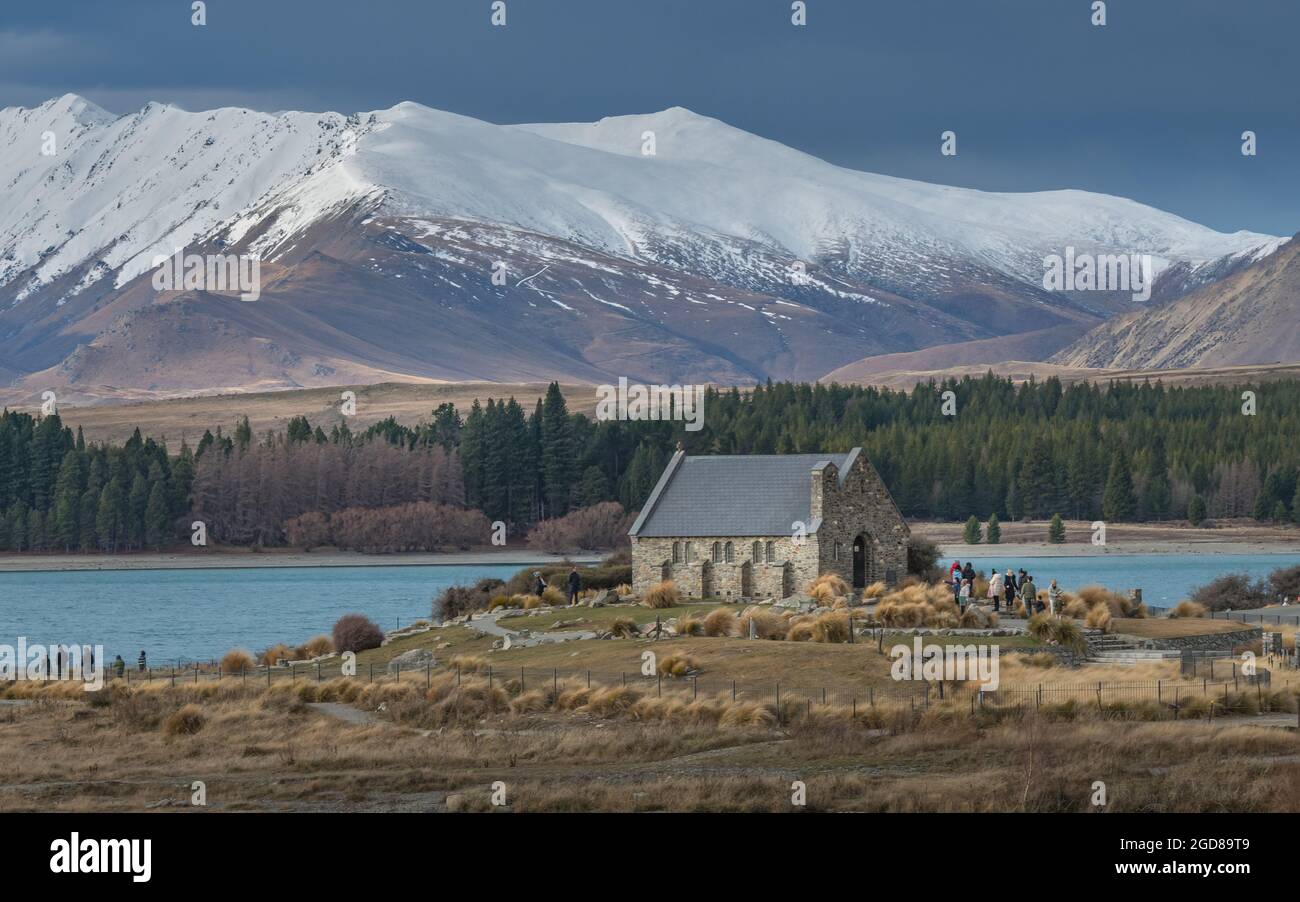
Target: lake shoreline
(1154, 546)
(246, 560)
(56, 563)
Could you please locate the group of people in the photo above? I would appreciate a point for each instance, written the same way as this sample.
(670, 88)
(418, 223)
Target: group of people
(1009, 587)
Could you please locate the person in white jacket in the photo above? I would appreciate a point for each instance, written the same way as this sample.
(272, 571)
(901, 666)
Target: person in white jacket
(996, 586)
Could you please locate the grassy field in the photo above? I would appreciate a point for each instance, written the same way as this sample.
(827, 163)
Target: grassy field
(1172, 628)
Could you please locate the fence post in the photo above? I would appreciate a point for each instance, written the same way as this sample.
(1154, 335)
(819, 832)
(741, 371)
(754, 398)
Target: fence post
(555, 681)
(318, 671)
(196, 673)
(588, 679)
(1159, 693)
(372, 671)
(695, 688)
(521, 681)
(268, 676)
(489, 677)
(871, 696)
(457, 674)
(733, 690)
(659, 685)
(778, 704)
(428, 674)
(243, 676)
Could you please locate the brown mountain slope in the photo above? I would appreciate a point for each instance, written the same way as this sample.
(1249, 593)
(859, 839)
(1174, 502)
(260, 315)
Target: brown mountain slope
(1251, 317)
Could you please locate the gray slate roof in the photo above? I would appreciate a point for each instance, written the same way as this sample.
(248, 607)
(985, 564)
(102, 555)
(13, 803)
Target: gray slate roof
(733, 495)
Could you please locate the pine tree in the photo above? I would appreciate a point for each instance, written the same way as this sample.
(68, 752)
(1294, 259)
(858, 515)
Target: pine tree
(136, 503)
(1056, 530)
(994, 531)
(157, 517)
(557, 452)
(65, 529)
(1117, 503)
(1196, 510)
(1295, 503)
(1156, 492)
(971, 534)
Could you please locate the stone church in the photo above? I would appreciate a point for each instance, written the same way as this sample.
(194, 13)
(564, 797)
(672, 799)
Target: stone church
(765, 526)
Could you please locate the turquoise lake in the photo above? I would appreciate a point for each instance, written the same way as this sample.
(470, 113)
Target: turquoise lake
(200, 614)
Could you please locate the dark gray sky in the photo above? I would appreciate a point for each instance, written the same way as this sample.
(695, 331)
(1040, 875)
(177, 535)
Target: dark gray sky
(1151, 106)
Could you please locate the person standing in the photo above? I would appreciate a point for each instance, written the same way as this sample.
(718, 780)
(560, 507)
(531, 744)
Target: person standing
(119, 667)
(995, 590)
(539, 584)
(963, 595)
(1010, 587)
(1054, 599)
(140, 664)
(1029, 595)
(575, 583)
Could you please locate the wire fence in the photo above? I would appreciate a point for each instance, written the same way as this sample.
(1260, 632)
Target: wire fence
(1224, 690)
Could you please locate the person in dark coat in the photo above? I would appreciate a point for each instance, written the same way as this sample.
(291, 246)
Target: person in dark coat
(1010, 586)
(575, 583)
(539, 586)
(141, 665)
(968, 572)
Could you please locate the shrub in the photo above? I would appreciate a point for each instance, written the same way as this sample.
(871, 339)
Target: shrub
(922, 555)
(184, 721)
(662, 595)
(602, 525)
(457, 600)
(237, 661)
(534, 601)
(1188, 609)
(1285, 581)
(1056, 631)
(355, 632)
(553, 596)
(875, 590)
(690, 625)
(1234, 591)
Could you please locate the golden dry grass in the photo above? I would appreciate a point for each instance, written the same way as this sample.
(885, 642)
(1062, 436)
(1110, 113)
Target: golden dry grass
(662, 595)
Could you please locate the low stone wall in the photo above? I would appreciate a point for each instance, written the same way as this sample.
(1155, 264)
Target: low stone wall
(1206, 642)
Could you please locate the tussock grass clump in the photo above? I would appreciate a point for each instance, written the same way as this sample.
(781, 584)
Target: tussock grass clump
(1057, 631)
(503, 601)
(1188, 609)
(533, 601)
(470, 663)
(678, 665)
(1042, 659)
(662, 595)
(875, 590)
(767, 623)
(831, 627)
(1099, 618)
(720, 622)
(275, 654)
(624, 628)
(553, 596)
(690, 625)
(185, 721)
(611, 701)
(828, 588)
(237, 661)
(317, 646)
(918, 605)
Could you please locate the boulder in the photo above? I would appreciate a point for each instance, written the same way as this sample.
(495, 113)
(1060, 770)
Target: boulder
(415, 659)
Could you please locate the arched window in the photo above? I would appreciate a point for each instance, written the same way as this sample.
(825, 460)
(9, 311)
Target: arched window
(690, 552)
(835, 551)
(758, 552)
(771, 551)
(730, 553)
(677, 552)
(716, 555)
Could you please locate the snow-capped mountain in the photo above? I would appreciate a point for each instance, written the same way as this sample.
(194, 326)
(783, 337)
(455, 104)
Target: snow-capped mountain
(667, 246)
